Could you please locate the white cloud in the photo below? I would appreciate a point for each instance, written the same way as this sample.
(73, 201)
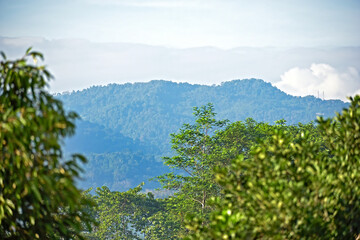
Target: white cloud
(320, 78)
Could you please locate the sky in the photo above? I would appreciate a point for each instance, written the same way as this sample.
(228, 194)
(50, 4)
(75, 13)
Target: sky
(300, 46)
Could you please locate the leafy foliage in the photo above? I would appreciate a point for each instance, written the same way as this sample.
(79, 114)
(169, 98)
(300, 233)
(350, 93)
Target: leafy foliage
(199, 148)
(292, 186)
(38, 198)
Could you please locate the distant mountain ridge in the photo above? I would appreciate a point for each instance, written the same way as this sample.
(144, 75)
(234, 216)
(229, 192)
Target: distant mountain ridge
(136, 110)
(139, 117)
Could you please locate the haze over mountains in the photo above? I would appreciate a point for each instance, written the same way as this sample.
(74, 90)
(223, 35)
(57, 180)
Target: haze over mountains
(125, 128)
(301, 71)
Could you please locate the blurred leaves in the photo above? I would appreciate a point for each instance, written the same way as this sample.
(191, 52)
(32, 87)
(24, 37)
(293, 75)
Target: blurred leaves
(38, 198)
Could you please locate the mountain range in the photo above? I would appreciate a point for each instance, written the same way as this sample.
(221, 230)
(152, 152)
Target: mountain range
(125, 128)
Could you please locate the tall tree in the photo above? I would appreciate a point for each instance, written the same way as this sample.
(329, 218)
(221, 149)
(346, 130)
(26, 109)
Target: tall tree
(38, 196)
(193, 144)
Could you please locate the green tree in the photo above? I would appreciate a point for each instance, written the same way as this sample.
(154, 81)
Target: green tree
(292, 186)
(194, 185)
(38, 197)
(199, 149)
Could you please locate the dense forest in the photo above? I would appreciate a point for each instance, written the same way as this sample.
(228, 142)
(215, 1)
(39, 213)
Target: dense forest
(130, 124)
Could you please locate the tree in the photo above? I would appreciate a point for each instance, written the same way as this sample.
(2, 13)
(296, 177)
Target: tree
(291, 187)
(194, 185)
(38, 196)
(199, 148)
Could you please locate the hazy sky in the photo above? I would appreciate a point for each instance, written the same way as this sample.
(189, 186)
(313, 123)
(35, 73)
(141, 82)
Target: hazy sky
(188, 23)
(175, 30)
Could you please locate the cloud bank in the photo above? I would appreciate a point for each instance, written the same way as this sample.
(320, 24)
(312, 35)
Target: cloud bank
(78, 64)
(321, 79)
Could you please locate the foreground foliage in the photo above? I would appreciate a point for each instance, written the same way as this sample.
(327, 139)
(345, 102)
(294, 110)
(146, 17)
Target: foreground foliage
(198, 149)
(38, 197)
(292, 188)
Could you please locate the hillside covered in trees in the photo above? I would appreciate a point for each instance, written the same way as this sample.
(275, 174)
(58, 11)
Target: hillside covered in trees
(126, 126)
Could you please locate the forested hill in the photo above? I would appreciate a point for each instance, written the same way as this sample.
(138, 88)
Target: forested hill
(150, 111)
(139, 117)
